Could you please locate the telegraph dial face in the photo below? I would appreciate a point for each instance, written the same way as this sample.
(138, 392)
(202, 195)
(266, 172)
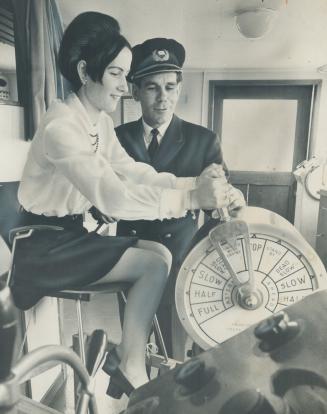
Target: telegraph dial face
(208, 301)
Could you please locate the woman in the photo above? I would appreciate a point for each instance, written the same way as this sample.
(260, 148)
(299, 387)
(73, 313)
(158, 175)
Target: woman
(76, 161)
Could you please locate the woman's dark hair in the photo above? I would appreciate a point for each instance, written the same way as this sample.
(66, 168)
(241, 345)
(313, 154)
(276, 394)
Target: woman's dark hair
(93, 37)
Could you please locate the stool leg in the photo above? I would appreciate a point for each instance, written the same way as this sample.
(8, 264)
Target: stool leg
(160, 337)
(80, 330)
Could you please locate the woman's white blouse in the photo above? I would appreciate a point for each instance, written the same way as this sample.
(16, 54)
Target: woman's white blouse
(63, 175)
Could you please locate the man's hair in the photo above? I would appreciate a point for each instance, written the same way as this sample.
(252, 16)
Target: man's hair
(93, 37)
(137, 82)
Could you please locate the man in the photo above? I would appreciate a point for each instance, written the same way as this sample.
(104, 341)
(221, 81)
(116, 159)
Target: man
(169, 144)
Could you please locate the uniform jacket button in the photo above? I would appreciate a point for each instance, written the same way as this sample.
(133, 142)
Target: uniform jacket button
(167, 236)
(133, 232)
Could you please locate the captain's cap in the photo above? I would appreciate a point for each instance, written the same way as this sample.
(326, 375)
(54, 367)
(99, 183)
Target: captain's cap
(154, 56)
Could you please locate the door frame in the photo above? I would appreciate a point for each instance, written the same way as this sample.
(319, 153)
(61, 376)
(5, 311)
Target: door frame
(301, 150)
(315, 83)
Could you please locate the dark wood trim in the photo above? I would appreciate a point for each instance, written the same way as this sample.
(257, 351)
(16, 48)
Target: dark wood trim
(259, 91)
(261, 178)
(251, 83)
(263, 82)
(314, 117)
(211, 106)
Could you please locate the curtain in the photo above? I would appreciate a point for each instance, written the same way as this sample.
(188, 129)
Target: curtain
(38, 31)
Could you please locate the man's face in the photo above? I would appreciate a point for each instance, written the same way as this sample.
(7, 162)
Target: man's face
(158, 95)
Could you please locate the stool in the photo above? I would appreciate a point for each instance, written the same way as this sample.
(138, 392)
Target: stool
(86, 294)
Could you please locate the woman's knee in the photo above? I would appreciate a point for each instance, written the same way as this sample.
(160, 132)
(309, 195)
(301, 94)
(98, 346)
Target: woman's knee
(157, 266)
(158, 249)
(141, 262)
(165, 253)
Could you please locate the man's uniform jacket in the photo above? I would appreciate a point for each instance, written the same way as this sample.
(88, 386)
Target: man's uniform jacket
(185, 150)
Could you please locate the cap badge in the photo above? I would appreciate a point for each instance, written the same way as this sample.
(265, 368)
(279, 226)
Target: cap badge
(160, 55)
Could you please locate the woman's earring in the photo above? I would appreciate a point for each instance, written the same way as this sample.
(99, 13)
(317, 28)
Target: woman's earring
(84, 81)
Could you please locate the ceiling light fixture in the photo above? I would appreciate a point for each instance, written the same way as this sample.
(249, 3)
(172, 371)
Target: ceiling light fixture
(256, 22)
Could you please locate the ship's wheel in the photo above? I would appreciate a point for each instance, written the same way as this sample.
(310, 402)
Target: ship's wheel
(243, 271)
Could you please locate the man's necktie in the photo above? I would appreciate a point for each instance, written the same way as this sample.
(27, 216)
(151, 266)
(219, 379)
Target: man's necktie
(154, 143)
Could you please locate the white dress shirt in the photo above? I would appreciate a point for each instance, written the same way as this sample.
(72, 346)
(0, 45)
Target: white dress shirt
(63, 175)
(147, 135)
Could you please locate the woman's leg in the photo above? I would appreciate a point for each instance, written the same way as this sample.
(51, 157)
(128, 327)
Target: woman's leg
(157, 248)
(146, 266)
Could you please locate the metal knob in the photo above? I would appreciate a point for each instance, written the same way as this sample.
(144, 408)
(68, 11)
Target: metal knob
(191, 376)
(275, 331)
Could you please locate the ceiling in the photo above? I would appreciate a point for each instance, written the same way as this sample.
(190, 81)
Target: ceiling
(297, 40)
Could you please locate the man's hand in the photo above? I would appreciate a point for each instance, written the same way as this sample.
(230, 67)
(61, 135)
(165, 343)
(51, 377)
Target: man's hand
(212, 171)
(235, 200)
(213, 191)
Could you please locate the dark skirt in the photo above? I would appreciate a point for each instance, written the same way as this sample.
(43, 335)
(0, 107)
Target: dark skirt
(49, 261)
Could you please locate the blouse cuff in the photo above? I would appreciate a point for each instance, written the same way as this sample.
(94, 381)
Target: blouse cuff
(173, 203)
(185, 183)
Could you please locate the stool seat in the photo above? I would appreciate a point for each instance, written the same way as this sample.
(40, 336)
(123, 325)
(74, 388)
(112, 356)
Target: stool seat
(87, 292)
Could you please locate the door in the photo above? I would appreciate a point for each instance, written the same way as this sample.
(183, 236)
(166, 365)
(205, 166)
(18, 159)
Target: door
(264, 128)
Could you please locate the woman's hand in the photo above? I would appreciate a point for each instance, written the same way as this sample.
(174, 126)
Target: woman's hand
(211, 189)
(108, 220)
(100, 217)
(210, 193)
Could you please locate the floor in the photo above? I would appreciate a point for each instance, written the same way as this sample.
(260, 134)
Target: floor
(100, 313)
